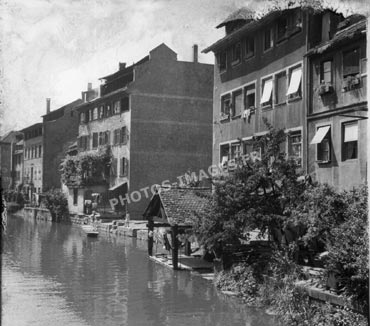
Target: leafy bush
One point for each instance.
(240, 279)
(348, 251)
(56, 202)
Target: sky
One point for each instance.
(53, 48)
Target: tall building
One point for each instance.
(260, 74)
(60, 131)
(337, 105)
(33, 153)
(11, 160)
(155, 119)
(267, 68)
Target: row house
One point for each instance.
(259, 75)
(155, 119)
(337, 106)
(60, 128)
(11, 160)
(32, 159)
(264, 71)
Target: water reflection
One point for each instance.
(55, 270)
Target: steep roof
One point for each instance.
(178, 205)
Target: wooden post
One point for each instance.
(175, 247)
(187, 247)
(150, 237)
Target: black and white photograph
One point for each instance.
(184, 163)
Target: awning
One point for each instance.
(295, 81)
(122, 184)
(350, 132)
(267, 91)
(320, 135)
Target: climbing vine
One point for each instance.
(87, 168)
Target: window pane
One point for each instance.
(295, 81)
(325, 73)
(237, 103)
(249, 47)
(267, 91)
(281, 88)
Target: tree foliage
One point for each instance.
(255, 196)
(56, 202)
(86, 167)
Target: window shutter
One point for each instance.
(113, 167)
(125, 172)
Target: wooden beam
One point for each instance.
(150, 237)
(175, 247)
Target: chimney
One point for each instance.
(47, 105)
(89, 86)
(122, 65)
(195, 53)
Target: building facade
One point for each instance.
(273, 69)
(337, 125)
(32, 164)
(155, 119)
(60, 131)
(11, 160)
(260, 75)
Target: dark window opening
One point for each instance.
(351, 63)
(249, 47)
(236, 53)
(222, 57)
(280, 88)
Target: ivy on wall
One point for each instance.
(87, 168)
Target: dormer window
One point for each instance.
(236, 53)
(268, 40)
(282, 29)
(249, 47)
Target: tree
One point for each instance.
(255, 196)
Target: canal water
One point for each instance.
(52, 274)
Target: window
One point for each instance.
(295, 147)
(326, 76)
(295, 77)
(95, 140)
(75, 196)
(40, 148)
(249, 47)
(322, 140)
(125, 104)
(280, 88)
(295, 22)
(82, 117)
(116, 138)
(222, 58)
(107, 137)
(109, 110)
(250, 97)
(266, 92)
(235, 151)
(237, 105)
(117, 107)
(236, 53)
(268, 41)
(114, 167)
(90, 115)
(350, 141)
(95, 114)
(225, 106)
(124, 167)
(101, 112)
(282, 29)
(101, 138)
(124, 136)
(224, 154)
(351, 63)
